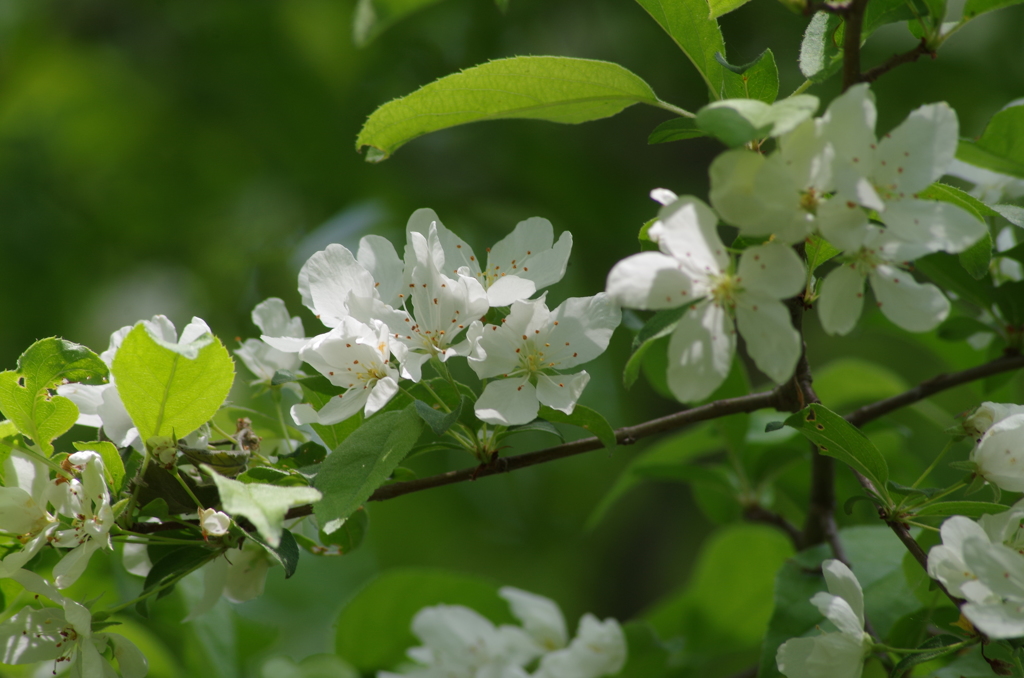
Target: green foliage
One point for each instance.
(820, 57)
(1000, 147)
(971, 509)
(285, 551)
(113, 467)
(973, 8)
(557, 89)
(659, 325)
(373, 629)
(263, 505)
(739, 121)
(317, 391)
(585, 418)
(676, 129)
(363, 462)
(760, 77)
(373, 17)
(818, 251)
(836, 437)
(438, 421)
(647, 656)
(25, 392)
(171, 391)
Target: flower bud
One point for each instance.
(163, 448)
(214, 523)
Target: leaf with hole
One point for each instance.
(835, 437)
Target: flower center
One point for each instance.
(724, 288)
(809, 200)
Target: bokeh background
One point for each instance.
(185, 157)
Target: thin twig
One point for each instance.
(759, 514)
(898, 60)
(854, 23)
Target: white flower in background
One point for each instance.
(332, 279)
(914, 306)
(526, 260)
(355, 357)
(886, 175)
(530, 348)
(541, 617)
(238, 575)
(599, 649)
(989, 187)
(214, 523)
(23, 508)
(999, 454)
(778, 194)
(64, 634)
(262, 359)
(693, 268)
(101, 406)
(442, 307)
(88, 505)
(838, 654)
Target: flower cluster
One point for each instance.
(461, 643)
(388, 316)
(998, 454)
(983, 563)
(831, 178)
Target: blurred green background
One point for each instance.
(185, 157)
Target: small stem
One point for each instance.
(681, 112)
(945, 493)
(423, 382)
(922, 525)
(921, 650)
(275, 393)
(181, 481)
(931, 467)
(804, 86)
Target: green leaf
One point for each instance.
(973, 8)
(174, 563)
(373, 17)
(1009, 297)
(585, 418)
(1012, 213)
(960, 327)
(363, 462)
(557, 89)
(726, 605)
(676, 129)
(264, 505)
(8, 429)
(881, 12)
(646, 656)
(113, 466)
(1001, 146)
(659, 325)
(945, 271)
(374, 627)
(305, 455)
(836, 437)
(938, 646)
(347, 536)
(958, 197)
(438, 421)
(317, 391)
(539, 425)
(738, 121)
(25, 392)
(760, 77)
(976, 258)
(820, 54)
(271, 476)
(818, 251)
(169, 391)
(971, 509)
(286, 553)
(722, 7)
(225, 462)
(696, 32)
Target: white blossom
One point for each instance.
(24, 507)
(88, 505)
(237, 575)
(694, 269)
(838, 654)
(214, 523)
(357, 358)
(985, 415)
(599, 649)
(262, 359)
(541, 617)
(529, 351)
(999, 454)
(64, 634)
(989, 187)
(880, 258)
(525, 261)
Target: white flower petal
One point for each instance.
(771, 339)
(561, 391)
(907, 303)
(271, 316)
(246, 573)
(700, 352)
(338, 409)
(842, 582)
(934, 224)
(326, 281)
(843, 223)
(74, 562)
(841, 300)
(919, 150)
(997, 620)
(649, 281)
(378, 256)
(530, 252)
(381, 393)
(540, 616)
(831, 655)
(509, 289)
(508, 402)
(1000, 454)
(686, 230)
(456, 253)
(87, 398)
(772, 270)
(663, 196)
(581, 329)
(599, 649)
(129, 658)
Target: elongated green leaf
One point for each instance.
(676, 129)
(264, 505)
(971, 509)
(1001, 146)
(587, 419)
(166, 392)
(722, 7)
(659, 325)
(170, 566)
(25, 393)
(818, 251)
(882, 12)
(696, 32)
(374, 628)
(738, 121)
(973, 8)
(113, 467)
(363, 462)
(286, 553)
(976, 258)
(373, 17)
(836, 437)
(937, 646)
(557, 89)
(438, 421)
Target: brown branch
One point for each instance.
(854, 24)
(759, 514)
(898, 60)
